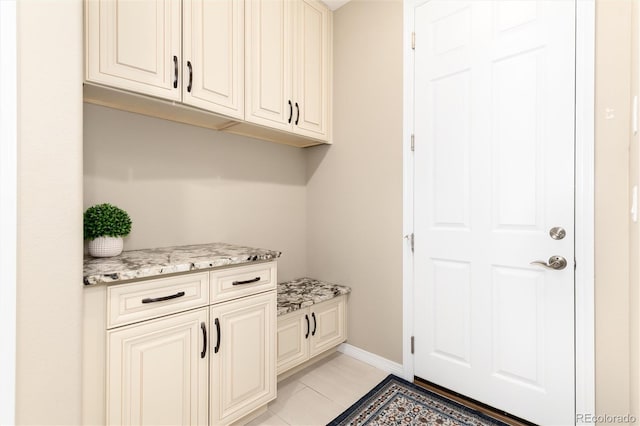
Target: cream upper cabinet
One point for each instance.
(260, 68)
(268, 74)
(213, 56)
(157, 372)
(288, 66)
(135, 45)
(190, 51)
(312, 69)
(243, 356)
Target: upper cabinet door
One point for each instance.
(135, 45)
(213, 65)
(288, 66)
(269, 63)
(312, 69)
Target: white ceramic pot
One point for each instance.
(105, 246)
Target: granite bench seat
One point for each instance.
(302, 292)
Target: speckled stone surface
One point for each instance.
(302, 292)
(168, 260)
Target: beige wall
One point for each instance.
(634, 234)
(613, 38)
(183, 184)
(354, 191)
(49, 290)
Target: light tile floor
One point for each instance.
(319, 393)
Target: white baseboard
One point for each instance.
(372, 359)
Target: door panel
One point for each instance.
(451, 144)
(452, 315)
(293, 339)
(269, 63)
(517, 178)
(494, 130)
(311, 68)
(214, 47)
(328, 326)
(243, 369)
(155, 373)
(517, 350)
(132, 44)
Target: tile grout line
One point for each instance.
(298, 384)
(327, 397)
(280, 418)
(366, 388)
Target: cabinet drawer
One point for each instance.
(129, 303)
(242, 281)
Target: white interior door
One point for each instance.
(494, 172)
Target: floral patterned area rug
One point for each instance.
(395, 401)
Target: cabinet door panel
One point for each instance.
(155, 373)
(243, 370)
(292, 339)
(214, 47)
(268, 63)
(329, 326)
(131, 45)
(312, 68)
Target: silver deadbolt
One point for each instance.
(555, 262)
(557, 232)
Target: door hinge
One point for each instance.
(413, 40)
(413, 142)
(411, 239)
(412, 344)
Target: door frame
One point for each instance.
(8, 208)
(584, 202)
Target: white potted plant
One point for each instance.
(104, 227)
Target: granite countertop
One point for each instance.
(168, 260)
(302, 292)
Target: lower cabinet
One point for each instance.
(175, 355)
(293, 344)
(157, 372)
(308, 332)
(242, 356)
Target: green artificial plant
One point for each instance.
(106, 220)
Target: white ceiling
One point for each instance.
(335, 4)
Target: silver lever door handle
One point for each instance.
(555, 262)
